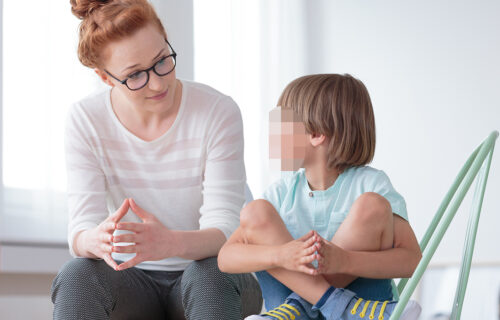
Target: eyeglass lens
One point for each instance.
(161, 68)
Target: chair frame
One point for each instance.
(478, 165)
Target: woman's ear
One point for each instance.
(104, 77)
(316, 139)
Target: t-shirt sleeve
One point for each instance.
(224, 173)
(275, 194)
(86, 190)
(383, 186)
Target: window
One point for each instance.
(42, 77)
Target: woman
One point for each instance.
(155, 181)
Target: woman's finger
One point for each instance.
(106, 237)
(108, 226)
(106, 248)
(130, 226)
(130, 263)
(121, 212)
(126, 237)
(109, 261)
(140, 212)
(125, 249)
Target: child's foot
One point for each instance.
(294, 308)
(343, 304)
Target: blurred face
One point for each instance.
(126, 58)
(287, 140)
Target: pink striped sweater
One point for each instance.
(192, 177)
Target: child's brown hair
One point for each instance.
(339, 107)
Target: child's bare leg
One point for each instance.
(262, 225)
(367, 227)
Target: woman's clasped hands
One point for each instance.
(150, 240)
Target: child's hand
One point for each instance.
(297, 255)
(329, 256)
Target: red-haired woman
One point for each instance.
(155, 181)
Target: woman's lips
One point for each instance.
(160, 96)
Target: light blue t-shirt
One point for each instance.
(303, 210)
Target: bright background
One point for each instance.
(432, 69)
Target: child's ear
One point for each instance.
(104, 77)
(316, 139)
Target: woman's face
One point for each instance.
(138, 52)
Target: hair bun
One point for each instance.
(83, 8)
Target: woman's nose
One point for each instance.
(155, 81)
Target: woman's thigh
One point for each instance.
(88, 288)
(207, 293)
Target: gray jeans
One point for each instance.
(90, 289)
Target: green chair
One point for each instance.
(478, 164)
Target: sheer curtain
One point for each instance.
(42, 77)
(250, 50)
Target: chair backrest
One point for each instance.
(479, 160)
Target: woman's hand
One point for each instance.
(298, 254)
(152, 240)
(97, 241)
(329, 256)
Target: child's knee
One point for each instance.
(371, 207)
(257, 214)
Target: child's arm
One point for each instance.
(238, 256)
(398, 262)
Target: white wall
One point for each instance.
(432, 69)
(177, 18)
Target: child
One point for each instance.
(344, 216)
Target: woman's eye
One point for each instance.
(162, 61)
(135, 75)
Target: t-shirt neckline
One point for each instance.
(324, 193)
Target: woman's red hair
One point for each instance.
(109, 20)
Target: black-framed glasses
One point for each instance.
(140, 79)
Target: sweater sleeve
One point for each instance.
(224, 173)
(86, 188)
